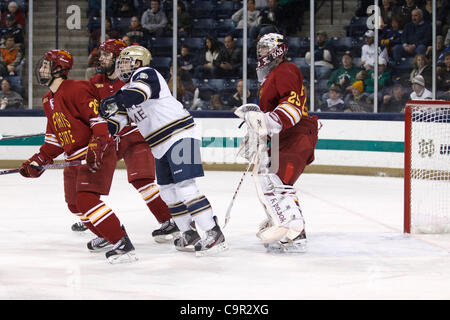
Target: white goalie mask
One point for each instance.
(271, 48)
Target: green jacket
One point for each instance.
(383, 80)
(338, 74)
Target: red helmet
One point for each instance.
(60, 58)
(113, 45)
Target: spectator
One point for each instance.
(395, 99)
(421, 67)
(11, 27)
(427, 10)
(184, 21)
(334, 102)
(441, 49)
(19, 16)
(345, 75)
(136, 33)
(271, 16)
(368, 51)
(216, 102)
(185, 86)
(123, 8)
(358, 101)
(154, 20)
(253, 19)
(419, 90)
(384, 78)
(186, 59)
(392, 35)
(10, 57)
(207, 60)
(443, 18)
(324, 56)
(416, 37)
(292, 12)
(9, 99)
(443, 79)
(387, 12)
(237, 99)
(229, 61)
(127, 40)
(96, 34)
(405, 11)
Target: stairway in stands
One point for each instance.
(75, 41)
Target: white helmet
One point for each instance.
(126, 62)
(270, 49)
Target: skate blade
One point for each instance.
(167, 238)
(186, 249)
(123, 258)
(213, 251)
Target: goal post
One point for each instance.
(427, 167)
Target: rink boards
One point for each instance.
(348, 143)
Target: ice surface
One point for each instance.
(356, 248)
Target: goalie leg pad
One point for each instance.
(285, 220)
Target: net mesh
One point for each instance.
(430, 168)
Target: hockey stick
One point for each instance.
(22, 136)
(49, 166)
(227, 214)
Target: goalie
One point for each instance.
(281, 113)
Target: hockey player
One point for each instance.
(75, 129)
(170, 131)
(281, 112)
(131, 147)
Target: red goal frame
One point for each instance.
(407, 156)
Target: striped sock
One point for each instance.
(201, 212)
(150, 194)
(181, 216)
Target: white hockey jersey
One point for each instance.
(162, 120)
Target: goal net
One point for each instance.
(427, 167)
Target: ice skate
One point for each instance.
(98, 244)
(79, 227)
(298, 245)
(123, 251)
(167, 232)
(187, 241)
(214, 242)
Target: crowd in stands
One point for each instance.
(210, 50)
(12, 50)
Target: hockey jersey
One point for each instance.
(105, 87)
(72, 117)
(162, 120)
(283, 94)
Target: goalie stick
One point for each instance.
(49, 166)
(21, 136)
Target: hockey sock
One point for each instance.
(181, 216)
(201, 212)
(150, 193)
(100, 215)
(74, 209)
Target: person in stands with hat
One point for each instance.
(384, 79)
(16, 12)
(368, 52)
(11, 27)
(334, 102)
(419, 90)
(358, 101)
(324, 56)
(345, 75)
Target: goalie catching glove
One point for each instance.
(30, 168)
(96, 149)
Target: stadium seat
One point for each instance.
(162, 65)
(357, 27)
(203, 27)
(206, 88)
(225, 9)
(16, 84)
(224, 27)
(202, 9)
(294, 44)
(120, 24)
(195, 44)
(161, 46)
(342, 44)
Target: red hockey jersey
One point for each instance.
(283, 94)
(72, 117)
(105, 87)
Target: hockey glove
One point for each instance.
(111, 105)
(96, 149)
(30, 168)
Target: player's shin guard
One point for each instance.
(150, 194)
(101, 216)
